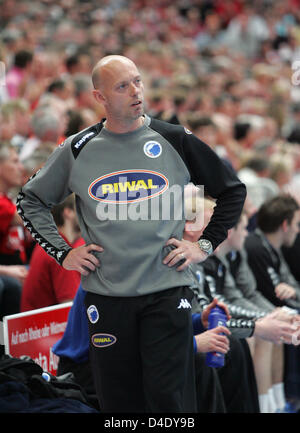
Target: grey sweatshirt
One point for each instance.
(134, 174)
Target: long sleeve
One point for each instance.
(47, 188)
(246, 283)
(220, 182)
(240, 326)
(223, 288)
(207, 169)
(265, 264)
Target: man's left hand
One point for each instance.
(207, 310)
(185, 250)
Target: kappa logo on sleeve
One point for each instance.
(128, 186)
(103, 340)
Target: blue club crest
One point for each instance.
(152, 149)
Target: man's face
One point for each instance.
(122, 91)
(11, 170)
(239, 234)
(292, 230)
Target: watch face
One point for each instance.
(205, 245)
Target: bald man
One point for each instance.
(128, 173)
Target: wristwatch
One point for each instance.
(206, 246)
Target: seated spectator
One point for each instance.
(79, 120)
(15, 76)
(21, 114)
(62, 88)
(78, 63)
(7, 123)
(11, 281)
(291, 255)
(222, 285)
(12, 244)
(48, 126)
(48, 283)
(36, 160)
(255, 173)
(267, 357)
(278, 225)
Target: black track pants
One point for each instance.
(142, 352)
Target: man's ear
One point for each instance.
(98, 96)
(229, 233)
(285, 225)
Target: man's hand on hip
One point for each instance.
(185, 250)
(81, 259)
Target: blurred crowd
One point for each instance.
(226, 70)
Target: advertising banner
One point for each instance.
(33, 333)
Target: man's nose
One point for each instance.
(133, 89)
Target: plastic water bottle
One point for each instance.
(217, 317)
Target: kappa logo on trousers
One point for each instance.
(184, 303)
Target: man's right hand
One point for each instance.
(275, 330)
(213, 340)
(284, 291)
(82, 260)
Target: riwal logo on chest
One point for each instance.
(103, 340)
(128, 186)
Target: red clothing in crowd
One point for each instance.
(48, 283)
(12, 242)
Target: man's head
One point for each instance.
(118, 86)
(11, 169)
(64, 215)
(237, 235)
(197, 210)
(280, 215)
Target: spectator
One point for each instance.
(12, 243)
(47, 283)
(21, 115)
(36, 160)
(12, 246)
(48, 126)
(255, 173)
(11, 282)
(242, 301)
(63, 88)
(267, 357)
(278, 226)
(18, 73)
(291, 255)
(277, 222)
(78, 63)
